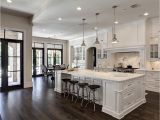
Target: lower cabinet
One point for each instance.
(152, 82)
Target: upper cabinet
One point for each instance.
(128, 35)
(154, 51)
(153, 38)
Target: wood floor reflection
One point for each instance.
(42, 103)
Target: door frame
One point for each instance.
(34, 48)
(55, 49)
(4, 61)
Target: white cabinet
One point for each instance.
(154, 51)
(120, 98)
(153, 81)
(154, 39)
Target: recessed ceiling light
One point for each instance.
(116, 22)
(9, 1)
(79, 8)
(146, 14)
(95, 28)
(59, 19)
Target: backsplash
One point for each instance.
(102, 63)
(155, 65)
(127, 59)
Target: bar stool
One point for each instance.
(83, 86)
(93, 88)
(72, 84)
(65, 89)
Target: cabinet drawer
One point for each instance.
(128, 101)
(128, 84)
(153, 75)
(128, 92)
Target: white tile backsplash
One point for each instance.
(154, 65)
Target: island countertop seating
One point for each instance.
(120, 93)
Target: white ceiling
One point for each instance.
(47, 12)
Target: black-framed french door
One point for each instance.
(37, 61)
(11, 68)
(54, 56)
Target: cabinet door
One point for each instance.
(154, 51)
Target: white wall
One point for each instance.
(22, 24)
(53, 41)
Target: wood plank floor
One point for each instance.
(42, 103)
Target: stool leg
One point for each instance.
(64, 90)
(77, 94)
(82, 96)
(94, 100)
(73, 91)
(68, 90)
(88, 99)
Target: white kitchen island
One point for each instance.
(120, 93)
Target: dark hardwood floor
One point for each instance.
(42, 103)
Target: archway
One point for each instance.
(91, 58)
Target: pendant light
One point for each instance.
(96, 28)
(114, 39)
(83, 22)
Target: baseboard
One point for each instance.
(124, 112)
(28, 84)
(58, 90)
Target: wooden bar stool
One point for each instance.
(65, 88)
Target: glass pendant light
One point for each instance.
(83, 22)
(114, 39)
(96, 28)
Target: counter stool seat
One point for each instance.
(82, 85)
(94, 87)
(73, 82)
(66, 79)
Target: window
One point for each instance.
(79, 53)
(55, 46)
(1, 33)
(37, 45)
(54, 54)
(11, 34)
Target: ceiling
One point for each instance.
(46, 14)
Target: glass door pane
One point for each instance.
(14, 62)
(54, 57)
(37, 61)
(0, 67)
(58, 57)
(51, 54)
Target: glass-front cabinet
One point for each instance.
(154, 51)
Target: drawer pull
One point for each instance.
(129, 84)
(129, 94)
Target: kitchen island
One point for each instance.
(120, 93)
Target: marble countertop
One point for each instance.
(155, 70)
(113, 76)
